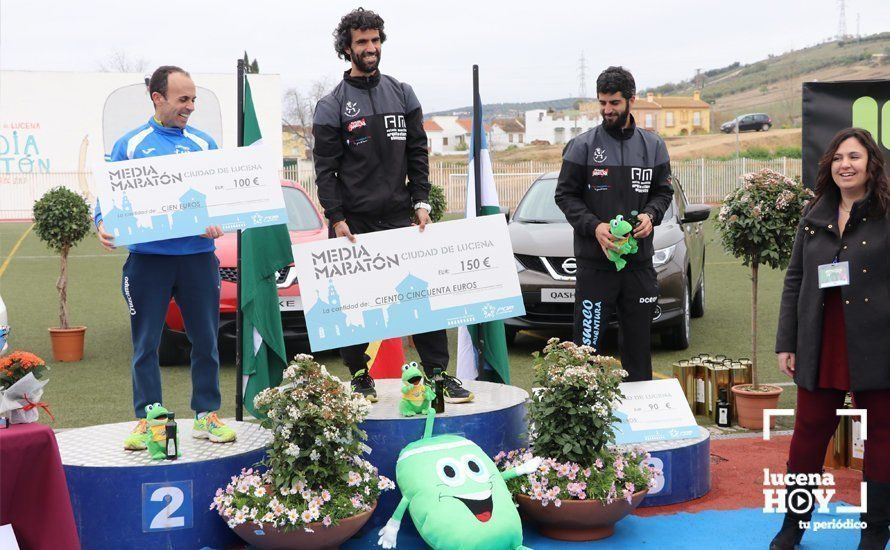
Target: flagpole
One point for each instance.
(477, 191)
(239, 320)
(477, 141)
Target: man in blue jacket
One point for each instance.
(185, 268)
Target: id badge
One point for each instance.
(834, 274)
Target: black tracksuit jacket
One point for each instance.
(369, 138)
(609, 172)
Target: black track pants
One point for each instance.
(634, 293)
(431, 346)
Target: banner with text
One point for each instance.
(156, 198)
(401, 282)
(654, 410)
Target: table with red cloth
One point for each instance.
(33, 493)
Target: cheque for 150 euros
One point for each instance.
(402, 281)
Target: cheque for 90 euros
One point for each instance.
(404, 281)
(156, 198)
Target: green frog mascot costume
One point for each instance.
(626, 243)
(455, 494)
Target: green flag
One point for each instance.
(482, 348)
(264, 250)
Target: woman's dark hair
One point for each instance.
(877, 185)
(356, 20)
(616, 79)
(158, 81)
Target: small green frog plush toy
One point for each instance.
(626, 243)
(416, 396)
(156, 436)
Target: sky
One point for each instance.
(526, 51)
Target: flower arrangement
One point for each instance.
(313, 471)
(17, 365)
(571, 425)
(21, 387)
(757, 224)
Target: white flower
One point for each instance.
(314, 455)
(293, 450)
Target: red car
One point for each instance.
(305, 224)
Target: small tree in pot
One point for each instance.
(757, 224)
(61, 221)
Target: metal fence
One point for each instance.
(703, 180)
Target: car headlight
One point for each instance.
(519, 267)
(663, 255)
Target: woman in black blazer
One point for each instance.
(832, 338)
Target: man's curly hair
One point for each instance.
(358, 19)
(616, 79)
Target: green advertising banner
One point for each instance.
(829, 107)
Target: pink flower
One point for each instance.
(598, 464)
(326, 521)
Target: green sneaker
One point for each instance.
(212, 428)
(136, 440)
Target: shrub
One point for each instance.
(571, 418)
(313, 468)
(438, 202)
(790, 152)
(61, 220)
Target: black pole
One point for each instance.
(477, 140)
(483, 373)
(239, 321)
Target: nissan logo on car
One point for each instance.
(569, 266)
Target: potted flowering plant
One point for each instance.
(21, 387)
(757, 224)
(313, 489)
(590, 483)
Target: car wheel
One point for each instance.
(171, 352)
(698, 302)
(677, 337)
(765, 127)
(510, 334)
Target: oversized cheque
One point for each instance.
(156, 198)
(399, 282)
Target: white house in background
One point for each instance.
(506, 132)
(557, 127)
(444, 135)
(448, 135)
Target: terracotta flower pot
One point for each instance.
(750, 404)
(322, 538)
(67, 343)
(578, 520)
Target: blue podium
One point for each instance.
(123, 499)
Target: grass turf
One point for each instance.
(98, 389)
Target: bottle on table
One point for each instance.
(723, 410)
(171, 440)
(439, 386)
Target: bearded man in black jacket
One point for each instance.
(615, 168)
(369, 139)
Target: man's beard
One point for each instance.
(365, 66)
(619, 122)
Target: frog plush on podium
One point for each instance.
(416, 396)
(156, 436)
(626, 243)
